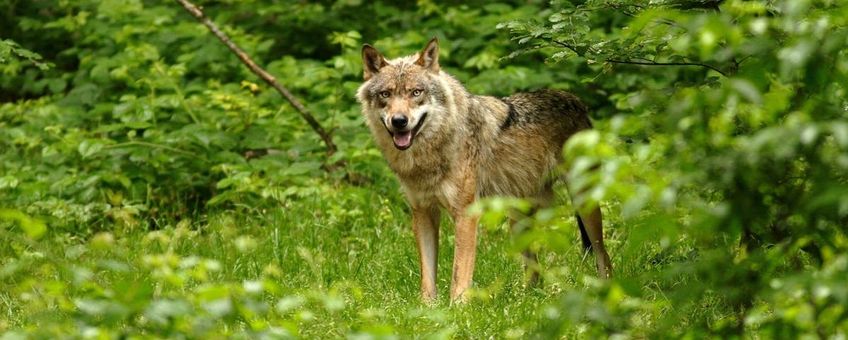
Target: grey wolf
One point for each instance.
(449, 147)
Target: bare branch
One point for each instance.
(267, 77)
(654, 63)
(568, 46)
(638, 62)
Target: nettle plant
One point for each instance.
(726, 149)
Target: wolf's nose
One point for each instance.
(399, 121)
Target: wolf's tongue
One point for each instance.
(402, 139)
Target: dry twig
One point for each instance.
(267, 77)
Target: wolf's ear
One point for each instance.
(429, 57)
(372, 60)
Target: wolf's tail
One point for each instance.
(587, 244)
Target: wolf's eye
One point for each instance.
(416, 92)
(385, 94)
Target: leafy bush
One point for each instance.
(728, 141)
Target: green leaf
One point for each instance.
(89, 147)
(34, 228)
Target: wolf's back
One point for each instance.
(547, 108)
(528, 147)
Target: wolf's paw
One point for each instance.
(460, 300)
(429, 300)
(460, 297)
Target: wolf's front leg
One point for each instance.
(465, 249)
(425, 224)
(465, 252)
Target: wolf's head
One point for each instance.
(399, 94)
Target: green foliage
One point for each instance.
(151, 185)
(727, 135)
(147, 116)
(11, 54)
(271, 273)
(32, 227)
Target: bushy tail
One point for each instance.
(587, 244)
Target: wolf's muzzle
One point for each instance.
(403, 139)
(399, 121)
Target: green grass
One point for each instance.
(343, 263)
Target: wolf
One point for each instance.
(449, 147)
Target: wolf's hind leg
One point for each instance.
(590, 223)
(425, 224)
(532, 271)
(521, 223)
(591, 230)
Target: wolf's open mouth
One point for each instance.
(403, 139)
